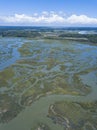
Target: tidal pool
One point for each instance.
(36, 74)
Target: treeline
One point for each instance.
(43, 33)
(91, 37)
(20, 33)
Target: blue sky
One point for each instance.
(48, 12)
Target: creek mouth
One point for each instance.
(45, 73)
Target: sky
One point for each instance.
(48, 12)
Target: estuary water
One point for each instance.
(79, 58)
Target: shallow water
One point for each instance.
(8, 51)
(78, 58)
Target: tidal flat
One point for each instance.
(47, 84)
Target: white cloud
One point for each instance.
(49, 18)
(81, 19)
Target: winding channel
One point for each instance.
(37, 112)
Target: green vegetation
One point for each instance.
(25, 50)
(20, 33)
(54, 69)
(92, 38)
(74, 115)
(5, 76)
(9, 108)
(51, 33)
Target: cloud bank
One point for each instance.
(48, 18)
